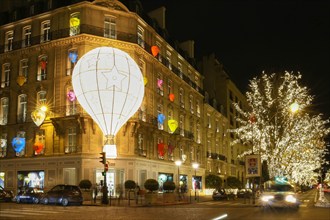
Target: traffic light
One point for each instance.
(106, 167)
(103, 159)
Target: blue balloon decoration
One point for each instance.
(161, 118)
(73, 57)
(18, 144)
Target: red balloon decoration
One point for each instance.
(171, 96)
(43, 64)
(38, 147)
(161, 151)
(155, 50)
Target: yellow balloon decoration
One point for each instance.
(74, 22)
(172, 124)
(145, 80)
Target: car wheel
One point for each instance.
(65, 202)
(35, 200)
(18, 200)
(45, 201)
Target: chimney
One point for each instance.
(159, 15)
(189, 47)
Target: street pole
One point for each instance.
(105, 199)
(195, 166)
(178, 163)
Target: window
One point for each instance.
(71, 146)
(21, 134)
(71, 102)
(168, 60)
(180, 70)
(71, 61)
(42, 68)
(198, 133)
(110, 27)
(75, 24)
(198, 109)
(160, 89)
(196, 83)
(181, 97)
(26, 36)
(140, 34)
(159, 55)
(191, 104)
(45, 31)
(4, 111)
(23, 69)
(3, 145)
(9, 41)
(160, 120)
(209, 121)
(5, 75)
(169, 86)
(181, 125)
(21, 108)
(41, 99)
(40, 138)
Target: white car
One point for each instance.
(279, 195)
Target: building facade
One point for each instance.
(40, 43)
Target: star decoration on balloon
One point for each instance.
(113, 78)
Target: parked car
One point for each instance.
(244, 193)
(279, 195)
(219, 194)
(6, 195)
(64, 195)
(29, 195)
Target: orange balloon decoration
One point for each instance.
(155, 50)
(37, 147)
(171, 96)
(20, 80)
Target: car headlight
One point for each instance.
(266, 198)
(291, 198)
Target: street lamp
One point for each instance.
(178, 164)
(195, 166)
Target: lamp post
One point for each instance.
(195, 166)
(178, 164)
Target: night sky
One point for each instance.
(249, 37)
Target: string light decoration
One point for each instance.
(291, 142)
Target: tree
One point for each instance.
(151, 185)
(233, 182)
(213, 181)
(292, 143)
(85, 184)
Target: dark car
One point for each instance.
(64, 195)
(29, 195)
(6, 195)
(244, 193)
(219, 194)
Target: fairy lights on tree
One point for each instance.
(292, 143)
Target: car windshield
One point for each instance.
(280, 188)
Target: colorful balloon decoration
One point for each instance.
(73, 56)
(173, 125)
(38, 147)
(145, 80)
(74, 22)
(160, 83)
(161, 149)
(71, 96)
(109, 85)
(18, 144)
(170, 149)
(155, 50)
(171, 96)
(38, 116)
(20, 80)
(43, 64)
(161, 118)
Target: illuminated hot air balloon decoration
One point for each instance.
(38, 147)
(73, 56)
(173, 125)
(71, 96)
(171, 97)
(109, 86)
(18, 144)
(155, 50)
(38, 116)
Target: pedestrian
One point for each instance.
(137, 193)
